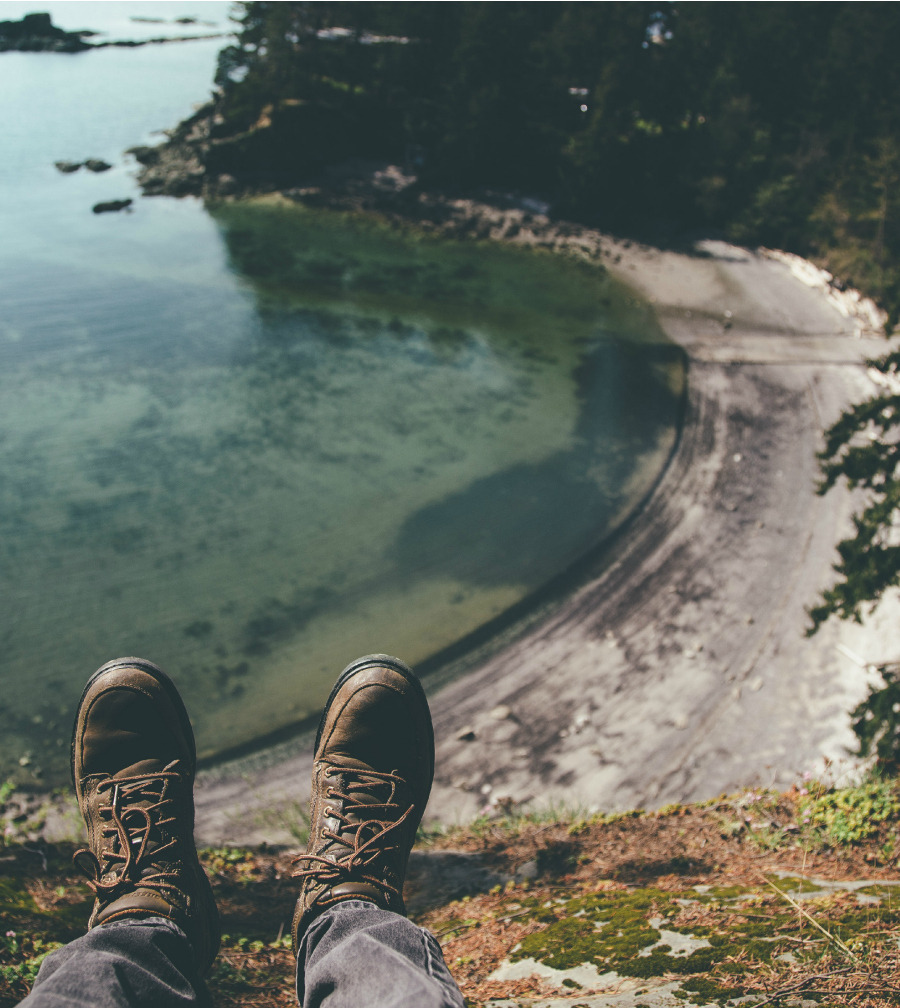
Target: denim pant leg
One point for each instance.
(135, 961)
(357, 954)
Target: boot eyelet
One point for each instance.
(329, 792)
(329, 812)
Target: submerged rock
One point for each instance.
(67, 167)
(97, 165)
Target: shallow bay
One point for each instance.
(252, 442)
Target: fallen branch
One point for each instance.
(832, 938)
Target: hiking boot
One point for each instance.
(374, 761)
(133, 765)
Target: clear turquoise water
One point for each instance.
(254, 443)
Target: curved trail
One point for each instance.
(680, 670)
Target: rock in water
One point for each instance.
(110, 206)
(37, 33)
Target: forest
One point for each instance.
(771, 123)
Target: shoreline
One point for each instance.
(670, 665)
(677, 668)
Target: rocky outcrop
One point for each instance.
(208, 156)
(176, 168)
(37, 33)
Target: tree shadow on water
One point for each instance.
(526, 523)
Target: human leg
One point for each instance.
(356, 953)
(372, 773)
(133, 961)
(154, 927)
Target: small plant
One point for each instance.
(507, 819)
(292, 817)
(427, 835)
(228, 860)
(765, 837)
(27, 954)
(849, 815)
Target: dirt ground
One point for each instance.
(744, 897)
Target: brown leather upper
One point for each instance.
(372, 775)
(133, 766)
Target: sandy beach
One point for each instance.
(676, 667)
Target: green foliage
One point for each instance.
(238, 861)
(775, 122)
(849, 815)
(862, 448)
(876, 722)
(21, 956)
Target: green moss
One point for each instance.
(720, 893)
(709, 990)
(668, 810)
(886, 892)
(795, 885)
(612, 931)
(604, 929)
(14, 898)
(563, 944)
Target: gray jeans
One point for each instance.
(353, 954)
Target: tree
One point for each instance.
(863, 449)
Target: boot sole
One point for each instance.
(375, 661)
(168, 688)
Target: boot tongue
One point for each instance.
(136, 825)
(143, 768)
(370, 790)
(341, 762)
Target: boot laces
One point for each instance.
(135, 833)
(367, 831)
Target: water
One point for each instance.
(255, 443)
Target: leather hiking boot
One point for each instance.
(374, 762)
(133, 765)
